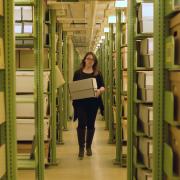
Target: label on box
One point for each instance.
(149, 80)
(1, 54)
(150, 148)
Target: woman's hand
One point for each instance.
(98, 92)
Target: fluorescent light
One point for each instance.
(112, 19)
(106, 29)
(121, 3)
(102, 37)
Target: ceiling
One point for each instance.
(83, 20)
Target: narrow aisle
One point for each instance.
(98, 167)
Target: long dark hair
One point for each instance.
(95, 65)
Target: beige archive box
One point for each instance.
(124, 129)
(1, 54)
(82, 89)
(144, 174)
(145, 79)
(146, 26)
(146, 46)
(1, 8)
(2, 108)
(26, 129)
(2, 160)
(124, 53)
(146, 149)
(22, 77)
(125, 81)
(25, 106)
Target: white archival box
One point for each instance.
(26, 129)
(28, 27)
(27, 13)
(18, 28)
(82, 89)
(25, 106)
(17, 13)
(146, 11)
(25, 81)
(2, 160)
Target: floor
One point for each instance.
(98, 167)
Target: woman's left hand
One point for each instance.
(98, 92)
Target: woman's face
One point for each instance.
(89, 61)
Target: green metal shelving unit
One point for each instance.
(53, 87)
(60, 95)
(135, 161)
(106, 83)
(110, 82)
(118, 159)
(65, 87)
(7, 87)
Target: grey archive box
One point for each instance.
(83, 89)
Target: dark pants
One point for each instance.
(86, 114)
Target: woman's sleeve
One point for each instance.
(75, 77)
(100, 81)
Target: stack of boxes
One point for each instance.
(2, 102)
(172, 59)
(144, 96)
(25, 109)
(145, 18)
(24, 23)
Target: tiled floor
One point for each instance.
(98, 167)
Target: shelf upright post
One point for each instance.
(131, 48)
(53, 86)
(111, 133)
(106, 83)
(39, 96)
(65, 73)
(10, 92)
(158, 114)
(118, 89)
(60, 97)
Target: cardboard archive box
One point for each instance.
(17, 13)
(174, 78)
(147, 60)
(175, 144)
(146, 118)
(146, 46)
(27, 59)
(124, 53)
(2, 65)
(27, 13)
(175, 31)
(124, 34)
(124, 129)
(145, 79)
(2, 108)
(83, 89)
(146, 150)
(25, 81)
(25, 106)
(26, 129)
(26, 148)
(145, 94)
(125, 81)
(1, 8)
(144, 174)
(2, 160)
(145, 17)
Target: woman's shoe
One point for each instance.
(88, 151)
(81, 153)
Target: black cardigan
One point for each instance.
(79, 75)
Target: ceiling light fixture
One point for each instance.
(121, 3)
(112, 19)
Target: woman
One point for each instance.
(86, 109)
